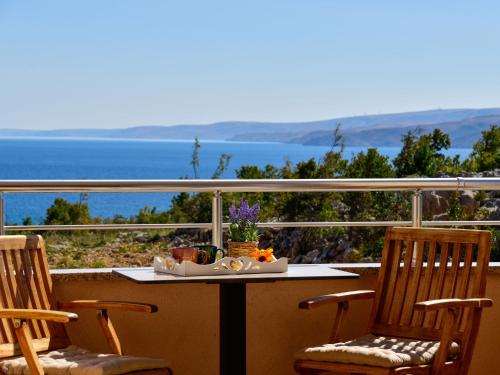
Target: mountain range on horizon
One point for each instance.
(463, 125)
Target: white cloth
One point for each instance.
(76, 361)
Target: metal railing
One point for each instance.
(217, 187)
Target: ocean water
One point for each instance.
(133, 159)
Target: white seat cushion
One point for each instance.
(376, 351)
(76, 361)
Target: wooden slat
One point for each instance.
(443, 235)
(15, 297)
(466, 272)
(455, 268)
(6, 326)
(24, 290)
(56, 330)
(402, 285)
(33, 293)
(44, 272)
(40, 290)
(387, 295)
(450, 281)
(414, 283)
(437, 287)
(464, 289)
(425, 288)
(482, 261)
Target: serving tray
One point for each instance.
(225, 266)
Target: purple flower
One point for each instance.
(244, 221)
(253, 213)
(244, 213)
(233, 216)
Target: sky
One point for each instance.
(122, 63)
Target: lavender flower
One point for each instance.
(243, 210)
(233, 216)
(243, 221)
(253, 213)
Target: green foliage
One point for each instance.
(369, 165)
(485, 152)
(63, 212)
(28, 220)
(243, 232)
(149, 215)
(420, 154)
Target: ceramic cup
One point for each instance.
(189, 253)
(211, 250)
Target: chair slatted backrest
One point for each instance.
(25, 282)
(420, 264)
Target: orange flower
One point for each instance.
(263, 255)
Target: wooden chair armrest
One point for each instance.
(452, 307)
(103, 318)
(336, 298)
(108, 305)
(453, 303)
(27, 314)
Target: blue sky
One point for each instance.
(108, 64)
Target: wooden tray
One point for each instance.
(225, 266)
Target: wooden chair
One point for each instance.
(31, 322)
(427, 302)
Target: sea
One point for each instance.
(47, 159)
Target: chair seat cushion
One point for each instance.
(376, 351)
(76, 361)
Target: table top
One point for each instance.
(295, 272)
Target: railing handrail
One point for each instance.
(249, 186)
(216, 187)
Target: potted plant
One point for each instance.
(243, 234)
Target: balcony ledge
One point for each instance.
(98, 274)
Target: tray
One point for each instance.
(225, 266)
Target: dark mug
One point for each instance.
(212, 252)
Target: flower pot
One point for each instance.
(240, 249)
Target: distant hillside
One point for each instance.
(464, 126)
(463, 133)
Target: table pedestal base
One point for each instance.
(232, 320)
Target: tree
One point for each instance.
(367, 206)
(420, 154)
(28, 220)
(195, 158)
(369, 165)
(485, 155)
(223, 165)
(63, 212)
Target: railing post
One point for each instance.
(416, 209)
(2, 215)
(217, 219)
